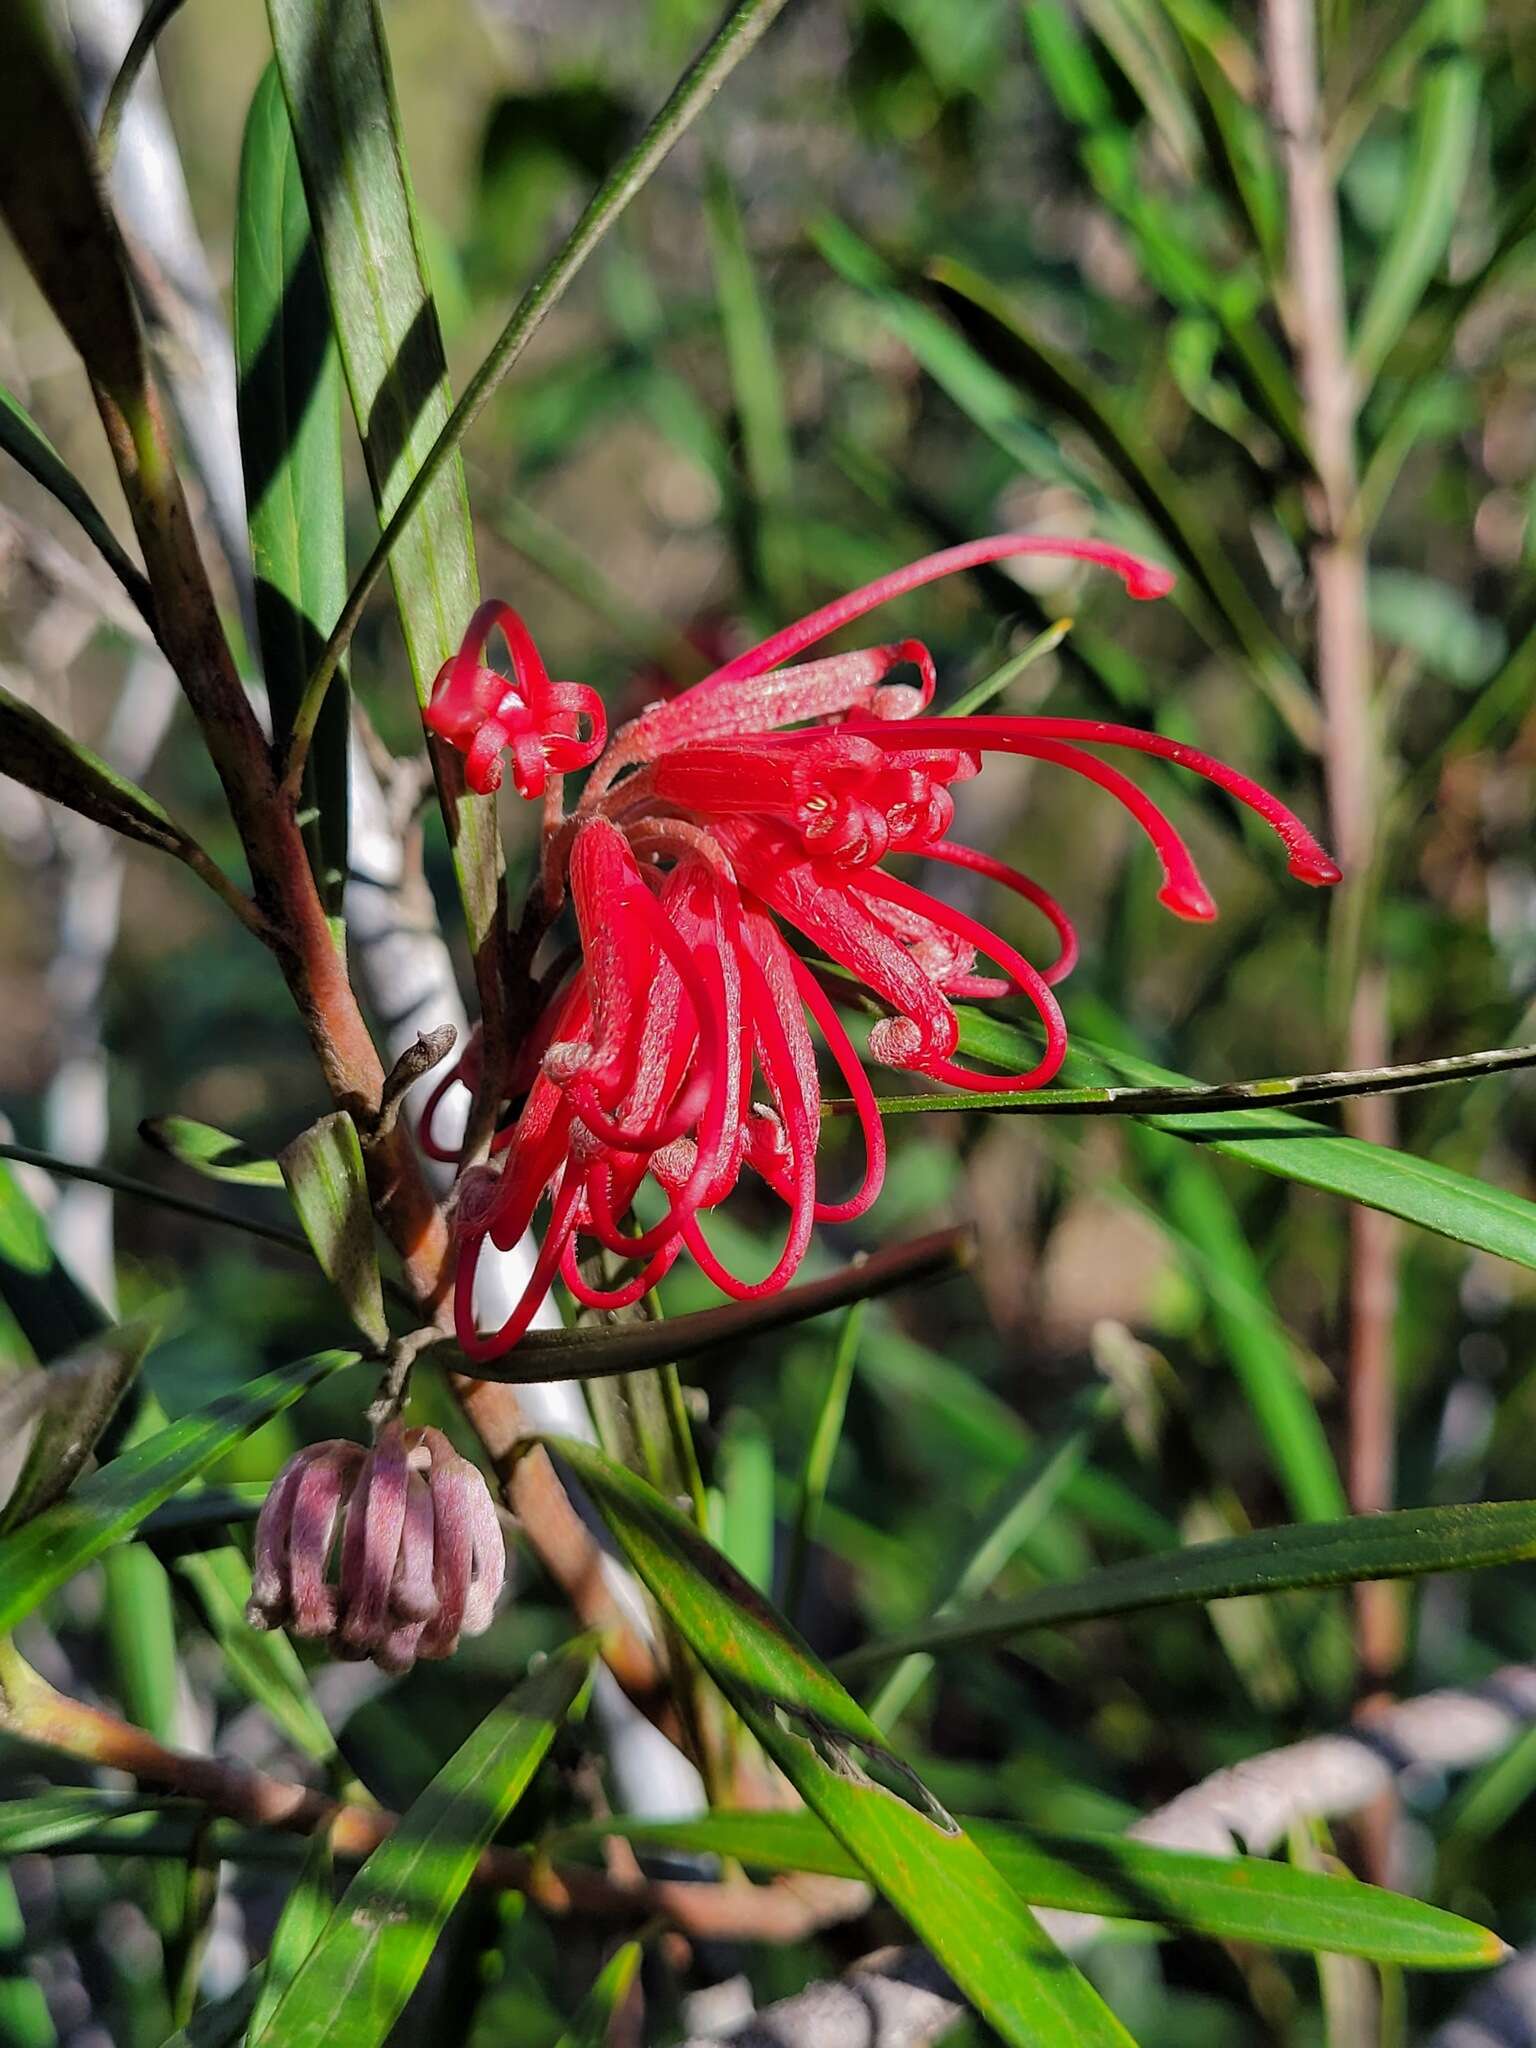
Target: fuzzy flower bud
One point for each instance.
(392, 1553)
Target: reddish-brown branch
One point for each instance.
(1317, 322)
(59, 214)
(785, 1911)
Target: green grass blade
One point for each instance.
(103, 1509)
(355, 1982)
(1024, 1503)
(290, 447)
(1197, 1216)
(262, 1662)
(1440, 156)
(746, 1488)
(1237, 1898)
(832, 1753)
(816, 1472)
(590, 2027)
(1409, 1543)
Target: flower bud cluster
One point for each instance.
(392, 1553)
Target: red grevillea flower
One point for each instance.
(764, 801)
(539, 723)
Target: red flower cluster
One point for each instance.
(765, 799)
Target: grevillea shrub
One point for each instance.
(694, 1350)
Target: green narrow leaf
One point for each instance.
(63, 1815)
(112, 1502)
(590, 2027)
(356, 1980)
(826, 1434)
(903, 1840)
(746, 1488)
(1196, 1214)
(299, 1928)
(324, 1174)
(1230, 1898)
(591, 1354)
(33, 750)
(1409, 1543)
(1024, 1503)
(1417, 1190)
(209, 1151)
(334, 64)
(73, 1399)
(1440, 155)
(23, 439)
(290, 448)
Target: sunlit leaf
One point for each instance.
(356, 1980)
(106, 1507)
(837, 1760)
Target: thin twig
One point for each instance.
(31, 1710)
(592, 1354)
(1286, 1091)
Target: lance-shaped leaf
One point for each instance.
(22, 438)
(832, 1753)
(209, 1151)
(590, 2027)
(1445, 131)
(290, 446)
(1418, 1190)
(299, 1927)
(581, 1354)
(356, 1980)
(334, 64)
(1230, 1898)
(324, 1174)
(70, 1403)
(112, 1502)
(1411, 1543)
(34, 751)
